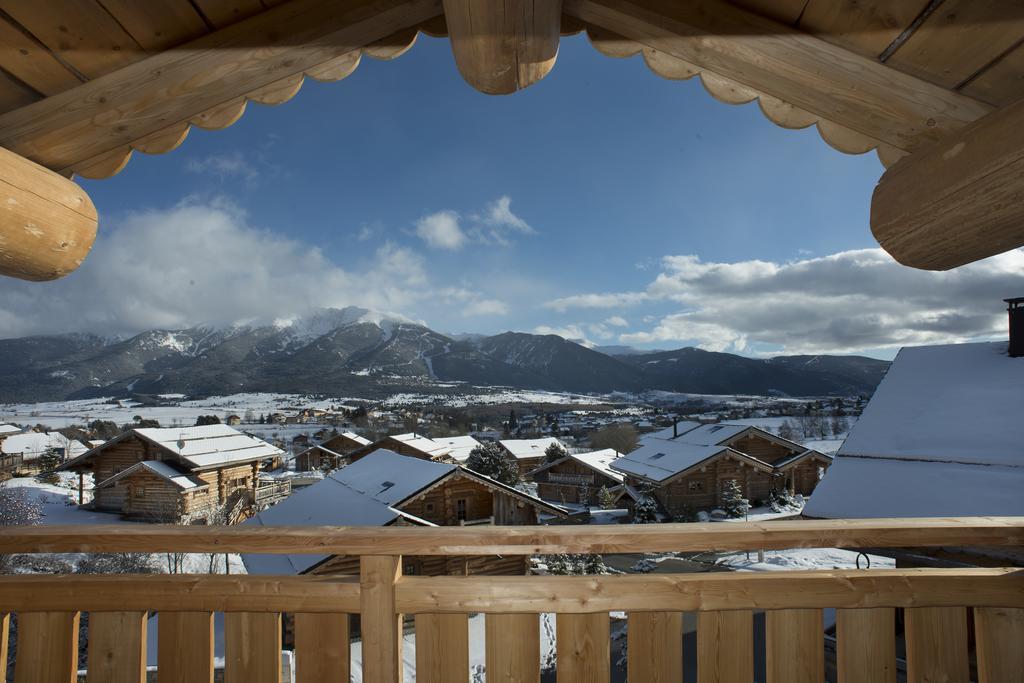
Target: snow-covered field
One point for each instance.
(57, 504)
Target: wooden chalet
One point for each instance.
(933, 87)
(319, 458)
(529, 453)
(579, 477)
(21, 452)
(411, 444)
(345, 443)
(385, 488)
(801, 468)
(188, 474)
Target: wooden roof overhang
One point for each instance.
(933, 86)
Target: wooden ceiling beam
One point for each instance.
(830, 81)
(47, 223)
(168, 88)
(958, 201)
(502, 46)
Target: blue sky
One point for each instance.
(603, 203)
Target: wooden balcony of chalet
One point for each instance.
(958, 623)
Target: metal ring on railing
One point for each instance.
(866, 557)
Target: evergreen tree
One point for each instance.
(49, 461)
(733, 502)
(513, 423)
(605, 498)
(490, 460)
(207, 420)
(646, 509)
(554, 452)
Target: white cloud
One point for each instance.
(233, 164)
(496, 225)
(847, 302)
(485, 307)
(616, 321)
(573, 332)
(206, 263)
(441, 230)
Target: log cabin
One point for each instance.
(529, 453)
(21, 452)
(184, 475)
(579, 477)
(385, 488)
(344, 443)
(319, 458)
(411, 444)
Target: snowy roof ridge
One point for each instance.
(182, 480)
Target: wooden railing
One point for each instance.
(936, 604)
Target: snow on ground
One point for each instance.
(803, 558)
(764, 514)
(57, 503)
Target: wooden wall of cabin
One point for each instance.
(527, 465)
(702, 490)
(803, 478)
(147, 496)
(111, 460)
(441, 506)
(568, 481)
(341, 444)
(761, 448)
(226, 481)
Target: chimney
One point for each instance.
(675, 428)
(1015, 308)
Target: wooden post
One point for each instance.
(47, 222)
(81, 488)
(380, 622)
(502, 46)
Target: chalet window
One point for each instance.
(139, 491)
(460, 509)
(696, 486)
(430, 507)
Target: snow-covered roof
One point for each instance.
(361, 440)
(209, 445)
(600, 461)
(529, 448)
(9, 429)
(712, 434)
(459, 446)
(362, 494)
(957, 403)
(797, 457)
(938, 438)
(660, 460)
(421, 443)
(182, 480)
(680, 427)
(884, 487)
(31, 445)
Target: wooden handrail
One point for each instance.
(519, 540)
(852, 588)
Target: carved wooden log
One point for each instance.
(959, 200)
(502, 46)
(47, 222)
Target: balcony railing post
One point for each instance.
(380, 622)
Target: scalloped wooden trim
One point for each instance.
(336, 69)
(667, 66)
(889, 155)
(612, 44)
(395, 45)
(163, 141)
(278, 92)
(221, 116)
(727, 90)
(845, 139)
(784, 114)
(104, 165)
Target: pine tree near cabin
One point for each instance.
(646, 509)
(733, 502)
(490, 460)
(554, 453)
(605, 498)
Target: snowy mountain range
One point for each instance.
(357, 352)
